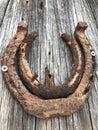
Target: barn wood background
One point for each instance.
(56, 17)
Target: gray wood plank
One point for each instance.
(3, 8)
(55, 18)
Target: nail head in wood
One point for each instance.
(4, 68)
(93, 53)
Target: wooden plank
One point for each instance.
(3, 7)
(57, 16)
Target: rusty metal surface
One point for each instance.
(50, 107)
(48, 89)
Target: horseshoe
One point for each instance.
(51, 107)
(49, 90)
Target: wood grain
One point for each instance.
(56, 17)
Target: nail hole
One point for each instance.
(61, 104)
(49, 75)
(22, 19)
(22, 50)
(49, 53)
(41, 5)
(86, 89)
(27, 1)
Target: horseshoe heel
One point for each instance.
(52, 107)
(28, 77)
(46, 91)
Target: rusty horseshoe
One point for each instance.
(44, 108)
(47, 90)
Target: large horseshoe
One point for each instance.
(45, 91)
(52, 107)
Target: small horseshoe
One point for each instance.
(46, 91)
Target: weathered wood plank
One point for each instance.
(3, 8)
(57, 17)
